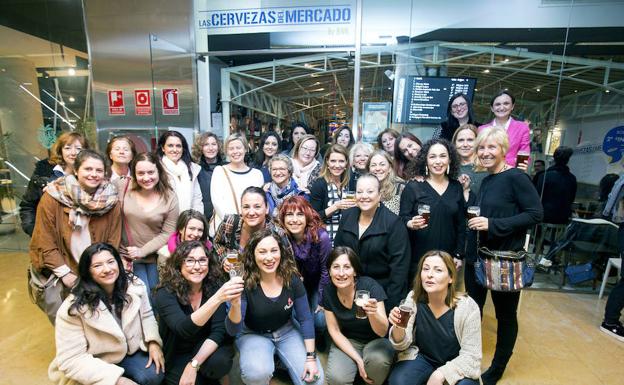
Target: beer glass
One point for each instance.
(361, 298)
(424, 211)
(406, 308)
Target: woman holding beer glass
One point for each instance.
(191, 308)
(509, 205)
(378, 237)
(434, 209)
(436, 330)
(358, 330)
(262, 318)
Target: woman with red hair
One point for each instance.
(311, 245)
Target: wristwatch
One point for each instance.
(195, 364)
(311, 355)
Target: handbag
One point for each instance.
(580, 273)
(45, 292)
(504, 270)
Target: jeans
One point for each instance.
(134, 369)
(320, 325)
(148, 273)
(505, 307)
(257, 351)
(378, 356)
(214, 368)
(417, 372)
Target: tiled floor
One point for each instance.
(559, 340)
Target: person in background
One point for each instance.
(230, 180)
(262, 317)
(378, 237)
(502, 105)
(406, 148)
(442, 341)
(106, 332)
(60, 163)
(445, 229)
(343, 137)
(458, 113)
(191, 226)
(509, 205)
(604, 188)
(328, 192)
(208, 154)
(120, 150)
(76, 210)
(386, 139)
(381, 165)
(358, 158)
(174, 153)
(298, 131)
(311, 246)
(539, 167)
(358, 345)
(191, 306)
(306, 167)
(269, 147)
(150, 212)
(470, 175)
(282, 184)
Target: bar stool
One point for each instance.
(613, 262)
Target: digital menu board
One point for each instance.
(422, 99)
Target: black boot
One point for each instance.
(492, 375)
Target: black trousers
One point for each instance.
(214, 368)
(505, 307)
(615, 302)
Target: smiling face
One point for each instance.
(337, 164)
(104, 270)
(146, 174)
(409, 148)
(341, 272)
(379, 167)
(344, 137)
(360, 158)
(210, 149)
(491, 155)
(121, 153)
(435, 275)
(193, 231)
(90, 174)
(236, 151)
(387, 142)
(279, 173)
(367, 194)
(70, 151)
(173, 148)
(267, 255)
(307, 152)
(459, 108)
(295, 223)
(464, 143)
(298, 133)
(270, 146)
(437, 160)
(253, 210)
(502, 107)
(195, 266)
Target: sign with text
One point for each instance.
(116, 103)
(613, 144)
(170, 101)
(142, 102)
(375, 118)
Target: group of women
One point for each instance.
(168, 264)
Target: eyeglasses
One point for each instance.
(279, 169)
(190, 262)
(458, 106)
(305, 149)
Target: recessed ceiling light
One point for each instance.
(72, 99)
(575, 90)
(486, 71)
(71, 72)
(607, 91)
(537, 89)
(506, 60)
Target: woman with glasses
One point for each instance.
(306, 167)
(191, 306)
(458, 113)
(282, 184)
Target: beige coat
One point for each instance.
(89, 345)
(467, 322)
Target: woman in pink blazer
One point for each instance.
(502, 106)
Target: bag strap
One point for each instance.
(227, 176)
(124, 220)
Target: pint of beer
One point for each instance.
(361, 298)
(406, 309)
(424, 211)
(473, 212)
(521, 157)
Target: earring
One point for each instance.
(426, 170)
(448, 169)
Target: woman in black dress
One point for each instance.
(458, 112)
(443, 195)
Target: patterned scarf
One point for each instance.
(279, 195)
(67, 191)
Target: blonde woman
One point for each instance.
(381, 165)
(358, 158)
(305, 166)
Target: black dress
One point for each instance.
(447, 222)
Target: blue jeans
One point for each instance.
(148, 273)
(417, 372)
(257, 351)
(134, 369)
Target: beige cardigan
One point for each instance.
(88, 346)
(467, 323)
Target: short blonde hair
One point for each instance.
(233, 137)
(359, 146)
(496, 134)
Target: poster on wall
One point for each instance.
(142, 102)
(375, 118)
(116, 103)
(613, 144)
(170, 101)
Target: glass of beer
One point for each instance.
(361, 298)
(406, 309)
(424, 211)
(349, 195)
(236, 266)
(473, 212)
(522, 157)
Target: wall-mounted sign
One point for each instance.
(375, 118)
(116, 103)
(613, 144)
(142, 102)
(170, 102)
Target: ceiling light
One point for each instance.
(389, 88)
(486, 71)
(538, 90)
(476, 89)
(71, 72)
(72, 99)
(361, 88)
(575, 91)
(607, 91)
(506, 60)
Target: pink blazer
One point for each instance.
(519, 139)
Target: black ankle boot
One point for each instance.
(492, 375)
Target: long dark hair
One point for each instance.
(185, 217)
(162, 187)
(420, 163)
(286, 269)
(87, 293)
(186, 153)
(259, 157)
(337, 133)
(171, 273)
(401, 160)
(452, 121)
(291, 142)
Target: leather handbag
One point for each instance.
(45, 292)
(504, 270)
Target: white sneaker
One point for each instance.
(545, 262)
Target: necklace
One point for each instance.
(504, 168)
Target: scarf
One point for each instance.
(174, 241)
(67, 191)
(180, 182)
(279, 195)
(302, 173)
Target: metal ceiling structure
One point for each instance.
(321, 85)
